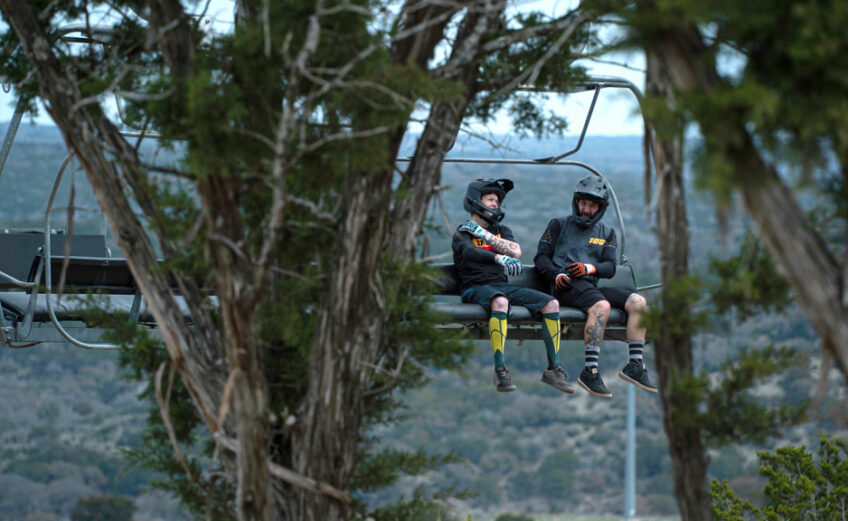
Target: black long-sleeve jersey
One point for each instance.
(564, 242)
(475, 258)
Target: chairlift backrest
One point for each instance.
(19, 249)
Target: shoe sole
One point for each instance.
(593, 393)
(637, 384)
(568, 390)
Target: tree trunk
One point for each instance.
(250, 396)
(330, 420)
(673, 347)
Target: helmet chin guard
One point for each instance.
(595, 189)
(477, 189)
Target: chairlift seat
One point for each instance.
(523, 325)
(18, 248)
(86, 271)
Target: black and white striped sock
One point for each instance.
(592, 355)
(636, 348)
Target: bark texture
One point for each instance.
(673, 346)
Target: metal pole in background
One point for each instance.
(10, 132)
(630, 456)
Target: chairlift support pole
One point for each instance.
(630, 456)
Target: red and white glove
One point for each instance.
(562, 281)
(578, 269)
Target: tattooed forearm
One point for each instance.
(595, 330)
(505, 247)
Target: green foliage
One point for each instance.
(141, 357)
(554, 478)
(748, 282)
(527, 112)
(420, 507)
(675, 311)
(667, 121)
(734, 413)
(383, 468)
(782, 88)
(513, 517)
(725, 408)
(799, 488)
(103, 508)
(528, 118)
(38, 463)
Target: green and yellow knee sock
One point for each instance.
(497, 334)
(550, 335)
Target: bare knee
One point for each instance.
(636, 303)
(499, 303)
(551, 307)
(602, 307)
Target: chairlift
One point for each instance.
(35, 259)
(473, 319)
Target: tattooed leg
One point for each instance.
(596, 323)
(595, 332)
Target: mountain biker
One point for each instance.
(573, 253)
(483, 249)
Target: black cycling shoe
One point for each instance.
(502, 380)
(590, 379)
(558, 378)
(636, 373)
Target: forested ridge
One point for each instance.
(67, 414)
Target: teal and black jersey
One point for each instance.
(475, 259)
(564, 242)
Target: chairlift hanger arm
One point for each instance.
(595, 83)
(47, 275)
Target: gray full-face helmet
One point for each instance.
(475, 192)
(593, 188)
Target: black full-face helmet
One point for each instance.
(593, 188)
(476, 190)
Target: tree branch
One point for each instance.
(285, 129)
(532, 72)
(166, 417)
(293, 478)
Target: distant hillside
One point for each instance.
(32, 133)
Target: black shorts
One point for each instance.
(582, 294)
(533, 300)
